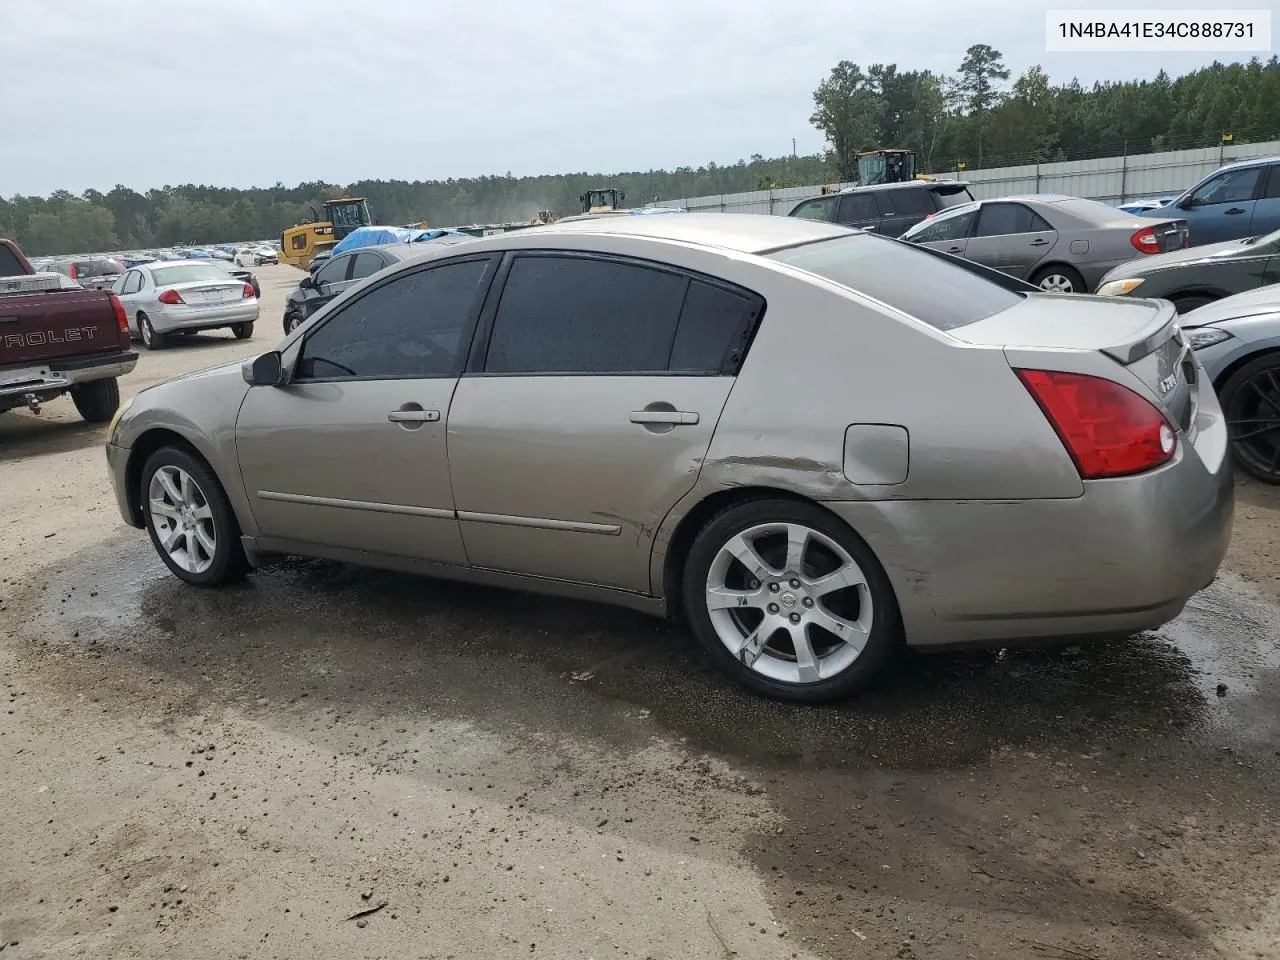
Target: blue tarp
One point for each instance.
(377, 236)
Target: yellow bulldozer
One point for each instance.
(300, 244)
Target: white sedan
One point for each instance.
(255, 256)
(184, 297)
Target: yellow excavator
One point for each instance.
(301, 243)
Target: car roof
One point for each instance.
(1252, 162)
(739, 232)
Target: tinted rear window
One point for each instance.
(98, 268)
(951, 197)
(928, 288)
(9, 264)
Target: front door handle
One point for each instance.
(955, 249)
(669, 417)
(414, 416)
(1039, 243)
(1234, 211)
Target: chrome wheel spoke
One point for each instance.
(806, 661)
(846, 576)
(726, 598)
(746, 554)
(206, 542)
(164, 508)
(752, 646)
(170, 488)
(186, 484)
(797, 541)
(170, 537)
(203, 512)
(851, 632)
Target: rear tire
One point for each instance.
(147, 334)
(242, 331)
(811, 616)
(190, 512)
(1059, 279)
(98, 400)
(1251, 401)
(292, 322)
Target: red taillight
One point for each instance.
(1108, 429)
(1144, 241)
(248, 291)
(121, 317)
(171, 297)
(75, 274)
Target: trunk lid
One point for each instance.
(42, 327)
(1171, 235)
(195, 292)
(1141, 335)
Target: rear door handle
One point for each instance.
(673, 417)
(1234, 210)
(1039, 243)
(955, 249)
(414, 416)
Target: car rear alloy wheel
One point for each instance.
(1251, 401)
(790, 601)
(150, 339)
(1059, 280)
(292, 322)
(189, 518)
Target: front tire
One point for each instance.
(242, 331)
(98, 400)
(789, 601)
(147, 333)
(190, 520)
(1184, 305)
(1251, 401)
(1059, 279)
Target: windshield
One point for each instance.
(187, 273)
(926, 287)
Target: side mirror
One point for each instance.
(1184, 203)
(308, 282)
(265, 371)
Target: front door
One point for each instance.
(351, 453)
(589, 414)
(1222, 207)
(859, 210)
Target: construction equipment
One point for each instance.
(886, 166)
(603, 200)
(299, 244)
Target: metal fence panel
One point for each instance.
(1110, 179)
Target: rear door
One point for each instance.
(588, 412)
(859, 210)
(1266, 211)
(903, 207)
(1011, 237)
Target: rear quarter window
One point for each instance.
(10, 266)
(952, 197)
(922, 285)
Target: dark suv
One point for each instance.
(889, 209)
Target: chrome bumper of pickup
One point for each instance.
(60, 375)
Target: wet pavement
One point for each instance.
(1112, 799)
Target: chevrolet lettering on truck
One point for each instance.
(58, 338)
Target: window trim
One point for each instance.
(484, 329)
(486, 283)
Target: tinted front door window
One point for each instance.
(858, 208)
(335, 271)
(813, 210)
(418, 325)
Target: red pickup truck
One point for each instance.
(56, 338)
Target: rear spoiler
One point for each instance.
(1155, 334)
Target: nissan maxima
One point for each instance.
(813, 445)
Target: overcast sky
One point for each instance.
(251, 92)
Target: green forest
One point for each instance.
(979, 116)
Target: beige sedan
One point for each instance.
(815, 444)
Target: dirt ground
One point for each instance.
(329, 760)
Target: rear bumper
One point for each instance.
(205, 316)
(63, 373)
(1123, 557)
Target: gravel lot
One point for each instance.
(335, 761)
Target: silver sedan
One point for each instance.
(1060, 244)
(185, 297)
(813, 443)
